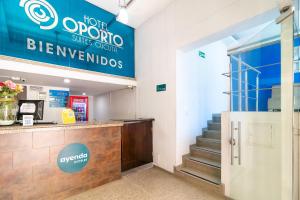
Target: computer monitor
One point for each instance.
(31, 107)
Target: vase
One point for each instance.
(8, 110)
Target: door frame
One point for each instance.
(287, 100)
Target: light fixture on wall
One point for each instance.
(67, 80)
(123, 16)
(123, 13)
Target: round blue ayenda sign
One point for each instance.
(73, 158)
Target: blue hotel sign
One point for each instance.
(69, 33)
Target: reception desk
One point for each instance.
(46, 162)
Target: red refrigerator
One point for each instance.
(80, 106)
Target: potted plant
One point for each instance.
(8, 102)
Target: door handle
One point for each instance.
(232, 142)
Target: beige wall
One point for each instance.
(297, 156)
(297, 167)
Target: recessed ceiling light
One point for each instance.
(67, 80)
(84, 94)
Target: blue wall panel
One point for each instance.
(67, 33)
(267, 60)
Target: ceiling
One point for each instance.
(256, 35)
(139, 11)
(76, 86)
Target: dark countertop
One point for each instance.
(130, 121)
(21, 129)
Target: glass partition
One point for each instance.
(255, 120)
(255, 71)
(264, 118)
(296, 117)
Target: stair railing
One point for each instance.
(243, 86)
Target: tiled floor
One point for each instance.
(148, 184)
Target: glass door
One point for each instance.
(260, 124)
(255, 119)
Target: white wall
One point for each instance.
(119, 104)
(182, 23)
(91, 109)
(199, 92)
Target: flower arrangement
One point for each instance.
(8, 102)
(9, 89)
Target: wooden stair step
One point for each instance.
(210, 150)
(209, 139)
(205, 161)
(216, 115)
(201, 175)
(206, 153)
(216, 118)
(216, 151)
(211, 125)
(201, 167)
(209, 143)
(213, 134)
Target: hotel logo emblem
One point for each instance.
(41, 13)
(73, 158)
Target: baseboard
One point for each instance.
(140, 168)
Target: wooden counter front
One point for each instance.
(28, 161)
(137, 143)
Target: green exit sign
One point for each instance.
(202, 54)
(161, 88)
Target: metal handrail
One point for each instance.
(250, 98)
(245, 83)
(261, 89)
(260, 67)
(247, 65)
(243, 90)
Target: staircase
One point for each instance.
(274, 103)
(203, 164)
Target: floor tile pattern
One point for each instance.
(148, 184)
